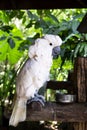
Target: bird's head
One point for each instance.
(55, 42)
(47, 45)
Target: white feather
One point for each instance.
(33, 75)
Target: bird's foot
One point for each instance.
(37, 98)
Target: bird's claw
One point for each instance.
(37, 98)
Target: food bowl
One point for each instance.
(65, 98)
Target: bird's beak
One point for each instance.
(56, 51)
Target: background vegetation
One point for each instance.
(19, 29)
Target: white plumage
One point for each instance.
(33, 74)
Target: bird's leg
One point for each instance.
(37, 98)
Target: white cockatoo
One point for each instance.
(34, 74)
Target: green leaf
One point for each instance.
(11, 42)
(81, 49)
(53, 17)
(17, 33)
(14, 55)
(6, 28)
(75, 24)
(9, 51)
(32, 16)
(76, 50)
(85, 50)
(3, 50)
(2, 38)
(18, 37)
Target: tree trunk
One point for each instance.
(80, 72)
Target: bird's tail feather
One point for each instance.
(18, 113)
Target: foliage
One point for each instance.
(81, 48)
(19, 28)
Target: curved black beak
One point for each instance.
(56, 51)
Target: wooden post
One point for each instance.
(80, 80)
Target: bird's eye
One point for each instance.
(50, 44)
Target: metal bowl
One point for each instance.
(65, 98)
